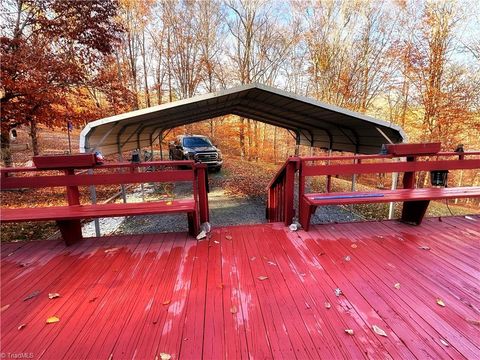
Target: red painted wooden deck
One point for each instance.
(138, 296)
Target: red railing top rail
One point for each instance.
(281, 172)
(110, 165)
(387, 156)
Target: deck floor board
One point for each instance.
(134, 297)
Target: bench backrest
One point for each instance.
(126, 173)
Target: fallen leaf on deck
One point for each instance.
(440, 302)
(397, 286)
(164, 356)
(32, 295)
(216, 242)
(354, 246)
(470, 218)
(53, 319)
(252, 258)
(424, 247)
(21, 326)
(111, 250)
(202, 235)
(261, 278)
(228, 237)
(271, 263)
(473, 322)
(328, 305)
(169, 203)
(53, 295)
(233, 309)
(4, 307)
(166, 302)
(347, 258)
(349, 331)
(379, 331)
(338, 292)
(444, 342)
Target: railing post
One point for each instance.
(289, 191)
(202, 192)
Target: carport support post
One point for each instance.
(297, 143)
(93, 198)
(122, 186)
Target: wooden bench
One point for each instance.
(417, 200)
(419, 158)
(68, 217)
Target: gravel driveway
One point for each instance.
(225, 210)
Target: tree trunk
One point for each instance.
(5, 142)
(34, 135)
(145, 75)
(275, 145)
(249, 134)
(242, 137)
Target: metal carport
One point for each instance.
(314, 123)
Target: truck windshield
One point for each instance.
(193, 142)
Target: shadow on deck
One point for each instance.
(249, 291)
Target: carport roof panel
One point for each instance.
(317, 123)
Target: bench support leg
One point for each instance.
(193, 223)
(306, 212)
(71, 231)
(414, 211)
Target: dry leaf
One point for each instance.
(202, 235)
(220, 286)
(444, 342)
(166, 302)
(53, 319)
(338, 292)
(233, 309)
(21, 326)
(32, 295)
(252, 258)
(379, 331)
(424, 247)
(354, 246)
(261, 278)
(347, 258)
(328, 305)
(473, 322)
(169, 203)
(4, 307)
(440, 302)
(271, 263)
(164, 356)
(397, 286)
(216, 242)
(228, 237)
(53, 295)
(349, 331)
(111, 250)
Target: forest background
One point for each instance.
(412, 63)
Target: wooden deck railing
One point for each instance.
(281, 191)
(406, 159)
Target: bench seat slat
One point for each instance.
(340, 198)
(96, 211)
